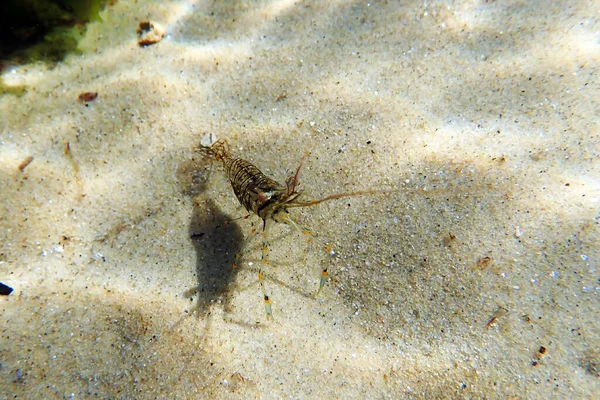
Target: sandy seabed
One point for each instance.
(478, 278)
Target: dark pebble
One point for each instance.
(5, 290)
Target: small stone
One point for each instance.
(149, 33)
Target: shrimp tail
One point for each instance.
(219, 149)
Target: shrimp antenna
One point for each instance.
(311, 203)
(292, 181)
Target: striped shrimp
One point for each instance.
(269, 200)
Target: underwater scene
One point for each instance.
(300, 199)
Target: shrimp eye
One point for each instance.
(263, 197)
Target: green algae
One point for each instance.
(45, 30)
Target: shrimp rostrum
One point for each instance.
(269, 200)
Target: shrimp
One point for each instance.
(270, 201)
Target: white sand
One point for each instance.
(494, 103)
